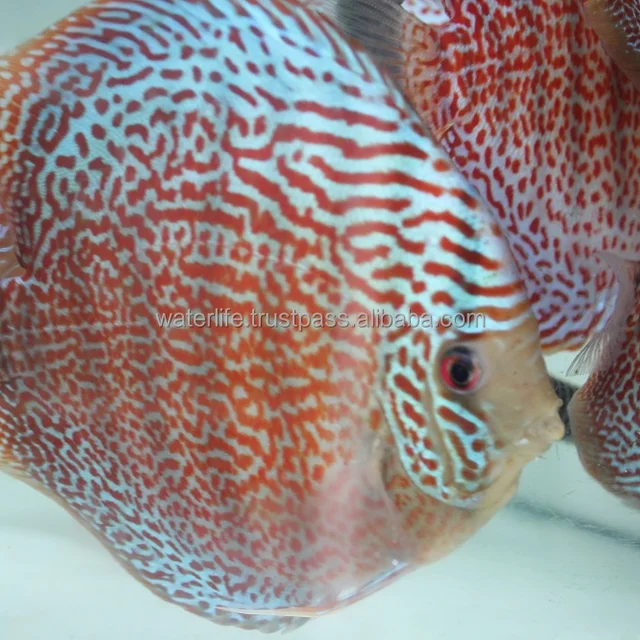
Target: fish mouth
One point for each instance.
(539, 436)
(504, 477)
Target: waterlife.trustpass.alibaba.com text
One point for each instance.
(299, 320)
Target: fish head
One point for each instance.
(469, 400)
(507, 418)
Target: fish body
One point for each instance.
(604, 415)
(605, 412)
(172, 170)
(536, 115)
(536, 105)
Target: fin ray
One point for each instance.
(377, 25)
(617, 23)
(602, 349)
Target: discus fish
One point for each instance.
(233, 162)
(536, 115)
(605, 412)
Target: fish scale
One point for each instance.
(243, 156)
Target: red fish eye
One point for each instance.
(460, 369)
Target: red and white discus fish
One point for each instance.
(540, 119)
(224, 160)
(605, 412)
(536, 115)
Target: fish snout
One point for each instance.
(505, 472)
(541, 434)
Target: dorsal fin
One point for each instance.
(379, 25)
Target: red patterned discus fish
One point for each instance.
(224, 160)
(536, 115)
(605, 412)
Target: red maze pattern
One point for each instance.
(538, 117)
(189, 155)
(604, 417)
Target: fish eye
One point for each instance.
(460, 369)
